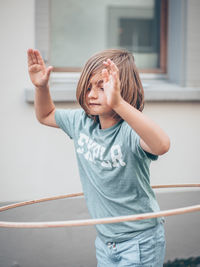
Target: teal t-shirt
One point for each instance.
(114, 172)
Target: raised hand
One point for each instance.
(111, 83)
(39, 73)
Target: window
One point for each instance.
(67, 32)
(78, 29)
(137, 28)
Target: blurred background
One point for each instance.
(38, 161)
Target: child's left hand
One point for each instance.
(111, 83)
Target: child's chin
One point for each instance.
(92, 113)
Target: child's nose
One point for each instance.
(93, 93)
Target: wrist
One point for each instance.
(118, 104)
(43, 88)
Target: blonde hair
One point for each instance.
(130, 84)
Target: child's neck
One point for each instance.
(107, 122)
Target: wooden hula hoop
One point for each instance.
(87, 222)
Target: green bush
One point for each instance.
(190, 262)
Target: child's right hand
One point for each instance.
(39, 73)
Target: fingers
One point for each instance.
(105, 75)
(39, 58)
(111, 66)
(34, 57)
(112, 70)
(29, 54)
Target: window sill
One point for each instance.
(156, 88)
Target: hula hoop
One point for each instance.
(87, 222)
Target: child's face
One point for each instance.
(96, 99)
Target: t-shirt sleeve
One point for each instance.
(133, 141)
(67, 120)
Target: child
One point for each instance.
(115, 144)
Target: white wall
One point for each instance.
(29, 153)
(37, 161)
(181, 121)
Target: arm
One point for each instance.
(39, 75)
(153, 139)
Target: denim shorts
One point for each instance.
(145, 249)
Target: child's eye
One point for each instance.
(89, 89)
(102, 88)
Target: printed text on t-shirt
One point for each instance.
(93, 151)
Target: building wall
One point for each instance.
(37, 161)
